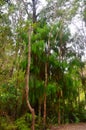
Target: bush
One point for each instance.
(6, 125)
(24, 122)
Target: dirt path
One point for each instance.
(80, 126)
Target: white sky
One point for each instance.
(43, 2)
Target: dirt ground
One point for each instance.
(80, 126)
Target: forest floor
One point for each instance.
(79, 126)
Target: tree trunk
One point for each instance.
(46, 80)
(34, 2)
(59, 114)
(47, 51)
(34, 8)
(27, 80)
(39, 111)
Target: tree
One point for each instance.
(27, 80)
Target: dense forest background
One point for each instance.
(42, 63)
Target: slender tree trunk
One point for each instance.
(59, 114)
(39, 111)
(27, 80)
(63, 103)
(46, 80)
(63, 112)
(34, 8)
(59, 117)
(34, 2)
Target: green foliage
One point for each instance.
(2, 3)
(65, 72)
(36, 86)
(22, 124)
(38, 47)
(6, 124)
(51, 89)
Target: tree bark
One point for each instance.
(33, 6)
(46, 80)
(27, 78)
(58, 104)
(39, 111)
(34, 2)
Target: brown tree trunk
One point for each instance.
(39, 111)
(27, 80)
(59, 114)
(46, 80)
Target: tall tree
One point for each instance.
(47, 52)
(28, 78)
